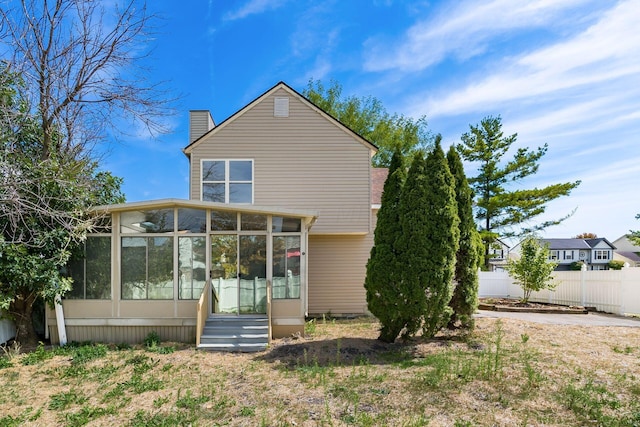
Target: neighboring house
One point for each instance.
(278, 225)
(595, 253)
(498, 255)
(627, 251)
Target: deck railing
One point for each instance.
(202, 311)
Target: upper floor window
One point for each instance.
(227, 181)
(568, 254)
(553, 255)
(602, 254)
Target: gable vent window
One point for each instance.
(281, 107)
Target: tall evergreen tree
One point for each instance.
(464, 301)
(502, 212)
(382, 282)
(412, 244)
(444, 235)
(429, 241)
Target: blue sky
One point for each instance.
(562, 72)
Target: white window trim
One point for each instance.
(605, 255)
(226, 178)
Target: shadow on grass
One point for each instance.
(335, 352)
(348, 351)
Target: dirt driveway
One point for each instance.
(590, 319)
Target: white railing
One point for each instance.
(611, 291)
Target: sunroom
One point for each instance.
(184, 268)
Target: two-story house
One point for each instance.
(498, 255)
(278, 225)
(594, 253)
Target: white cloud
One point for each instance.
(254, 7)
(581, 94)
(462, 31)
(607, 51)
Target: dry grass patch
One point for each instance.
(508, 372)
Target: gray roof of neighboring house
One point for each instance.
(633, 256)
(557, 244)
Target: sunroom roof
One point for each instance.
(307, 215)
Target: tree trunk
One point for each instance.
(21, 310)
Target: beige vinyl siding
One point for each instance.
(200, 123)
(304, 161)
(337, 268)
(124, 334)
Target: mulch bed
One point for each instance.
(515, 305)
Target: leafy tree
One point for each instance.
(503, 212)
(368, 118)
(533, 270)
(383, 280)
(586, 236)
(43, 217)
(71, 71)
(464, 301)
(44, 199)
(429, 242)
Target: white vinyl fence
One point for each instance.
(7, 329)
(611, 291)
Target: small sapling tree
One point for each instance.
(533, 271)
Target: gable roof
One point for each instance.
(281, 85)
(594, 242)
(559, 244)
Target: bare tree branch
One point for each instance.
(81, 62)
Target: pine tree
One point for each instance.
(383, 269)
(503, 212)
(464, 301)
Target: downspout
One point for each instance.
(306, 273)
(62, 332)
(308, 222)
